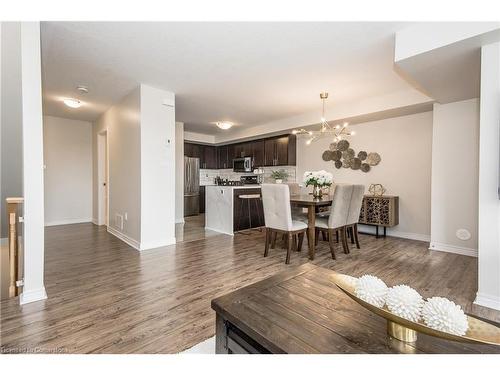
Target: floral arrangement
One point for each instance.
(437, 312)
(319, 178)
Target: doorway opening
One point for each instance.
(102, 178)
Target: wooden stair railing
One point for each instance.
(13, 218)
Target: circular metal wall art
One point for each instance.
(346, 163)
(338, 164)
(348, 154)
(327, 155)
(333, 146)
(336, 155)
(356, 164)
(373, 158)
(365, 167)
(362, 155)
(342, 145)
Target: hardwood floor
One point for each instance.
(105, 297)
(193, 229)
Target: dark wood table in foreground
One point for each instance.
(301, 311)
(307, 200)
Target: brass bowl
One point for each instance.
(406, 330)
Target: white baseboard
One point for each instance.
(28, 296)
(180, 221)
(68, 221)
(395, 233)
(453, 249)
(217, 230)
(128, 240)
(486, 300)
(155, 245)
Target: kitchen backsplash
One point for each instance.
(207, 176)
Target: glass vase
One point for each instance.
(317, 191)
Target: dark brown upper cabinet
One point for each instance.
(209, 157)
(270, 152)
(206, 154)
(258, 153)
(192, 150)
(280, 150)
(223, 158)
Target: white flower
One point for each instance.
(444, 315)
(319, 178)
(371, 289)
(405, 302)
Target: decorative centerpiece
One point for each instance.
(279, 176)
(318, 180)
(407, 313)
(377, 190)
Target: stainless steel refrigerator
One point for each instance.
(191, 186)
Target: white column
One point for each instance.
(158, 172)
(34, 289)
(179, 172)
(488, 293)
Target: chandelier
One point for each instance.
(337, 132)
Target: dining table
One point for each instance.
(311, 203)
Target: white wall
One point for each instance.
(455, 162)
(31, 69)
(488, 293)
(122, 122)
(68, 170)
(11, 118)
(404, 143)
(141, 150)
(179, 172)
(158, 170)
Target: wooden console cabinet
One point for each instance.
(380, 211)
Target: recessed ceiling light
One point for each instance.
(224, 125)
(73, 103)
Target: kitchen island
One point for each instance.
(226, 213)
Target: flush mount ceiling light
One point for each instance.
(338, 132)
(224, 125)
(72, 103)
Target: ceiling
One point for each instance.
(247, 73)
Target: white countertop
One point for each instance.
(235, 187)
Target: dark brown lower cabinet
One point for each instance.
(242, 207)
(202, 199)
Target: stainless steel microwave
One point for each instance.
(242, 164)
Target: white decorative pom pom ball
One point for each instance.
(371, 289)
(444, 315)
(405, 302)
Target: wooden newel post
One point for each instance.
(13, 219)
(13, 261)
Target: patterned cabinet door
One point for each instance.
(380, 210)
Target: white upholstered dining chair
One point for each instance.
(358, 193)
(337, 219)
(297, 212)
(278, 218)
